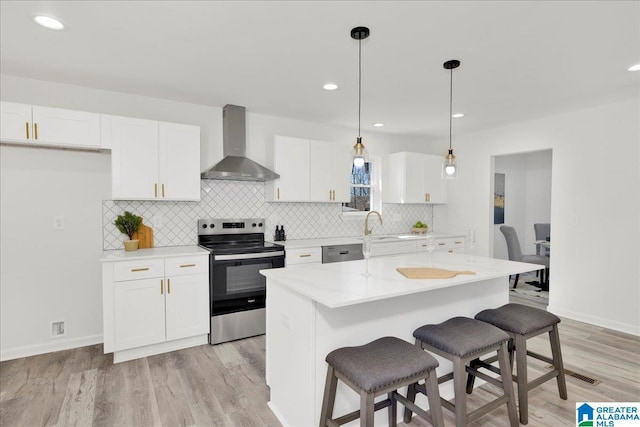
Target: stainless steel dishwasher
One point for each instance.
(339, 253)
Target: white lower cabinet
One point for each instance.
(155, 305)
(140, 313)
(448, 244)
(304, 255)
(392, 248)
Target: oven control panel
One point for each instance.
(230, 226)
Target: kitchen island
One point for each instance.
(313, 309)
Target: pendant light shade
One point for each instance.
(449, 167)
(359, 152)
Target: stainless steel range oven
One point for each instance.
(237, 290)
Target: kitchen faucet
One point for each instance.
(367, 230)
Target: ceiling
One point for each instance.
(520, 59)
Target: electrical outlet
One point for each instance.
(58, 222)
(57, 328)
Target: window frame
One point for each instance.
(376, 190)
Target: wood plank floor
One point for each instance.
(224, 385)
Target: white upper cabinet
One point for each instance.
(55, 127)
(328, 172)
(291, 157)
(153, 160)
(179, 161)
(310, 171)
(415, 178)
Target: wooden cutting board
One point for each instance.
(145, 235)
(430, 273)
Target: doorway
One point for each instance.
(522, 198)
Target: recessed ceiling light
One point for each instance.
(457, 115)
(49, 22)
(378, 125)
(635, 67)
(330, 86)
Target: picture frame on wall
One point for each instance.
(498, 199)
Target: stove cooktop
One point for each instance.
(241, 248)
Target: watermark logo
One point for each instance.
(608, 414)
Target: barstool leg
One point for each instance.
(366, 409)
(507, 384)
(393, 410)
(459, 386)
(433, 395)
(523, 382)
(411, 397)
(330, 385)
(554, 338)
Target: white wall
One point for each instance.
(49, 275)
(527, 197)
(595, 198)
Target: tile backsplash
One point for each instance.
(175, 223)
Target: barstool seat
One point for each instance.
(379, 367)
(522, 322)
(461, 340)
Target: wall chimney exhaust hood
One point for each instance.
(235, 166)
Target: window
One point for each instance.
(364, 190)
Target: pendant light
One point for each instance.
(450, 168)
(359, 153)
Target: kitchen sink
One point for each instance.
(384, 238)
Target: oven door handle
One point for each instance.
(248, 256)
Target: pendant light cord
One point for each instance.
(450, 106)
(359, 82)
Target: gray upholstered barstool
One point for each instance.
(462, 340)
(380, 367)
(522, 322)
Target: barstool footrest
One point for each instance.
(486, 377)
(356, 414)
(486, 408)
(415, 408)
(540, 356)
(445, 378)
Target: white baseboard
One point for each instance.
(57, 345)
(595, 320)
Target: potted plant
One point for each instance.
(128, 224)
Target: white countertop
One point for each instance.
(343, 284)
(332, 241)
(160, 252)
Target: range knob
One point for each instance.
(212, 225)
(253, 225)
(260, 224)
(204, 225)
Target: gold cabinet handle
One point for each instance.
(155, 190)
(133, 270)
(26, 127)
(35, 130)
(278, 191)
(162, 190)
(168, 286)
(330, 195)
(425, 197)
(305, 255)
(450, 251)
(441, 244)
(187, 265)
(458, 243)
(161, 287)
